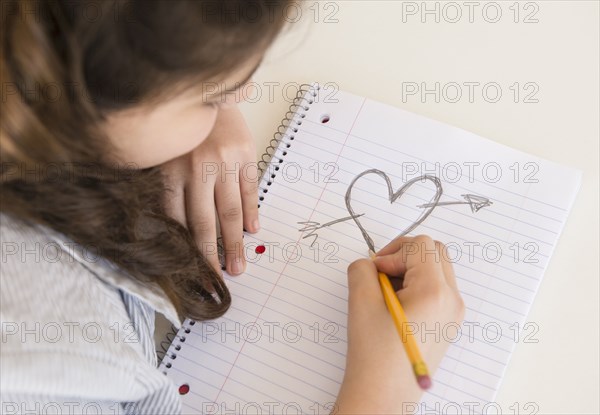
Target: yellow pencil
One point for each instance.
(404, 330)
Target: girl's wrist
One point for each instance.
(372, 391)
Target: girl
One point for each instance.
(107, 218)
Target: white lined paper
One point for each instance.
(244, 361)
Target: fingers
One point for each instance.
(364, 293)
(393, 265)
(419, 255)
(229, 210)
(200, 213)
(394, 245)
(372, 338)
(174, 197)
(249, 177)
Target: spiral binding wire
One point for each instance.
(166, 343)
(175, 339)
(282, 138)
(288, 127)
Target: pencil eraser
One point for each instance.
(424, 381)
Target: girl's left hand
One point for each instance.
(219, 178)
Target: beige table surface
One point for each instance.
(372, 47)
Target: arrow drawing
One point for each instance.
(475, 202)
(314, 226)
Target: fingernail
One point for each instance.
(377, 259)
(256, 225)
(236, 266)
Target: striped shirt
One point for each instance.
(77, 333)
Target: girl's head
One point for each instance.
(90, 88)
(153, 133)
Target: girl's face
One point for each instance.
(151, 135)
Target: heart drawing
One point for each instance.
(392, 197)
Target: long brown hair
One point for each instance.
(65, 65)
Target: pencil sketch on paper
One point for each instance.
(475, 202)
(315, 226)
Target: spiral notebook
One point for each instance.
(344, 171)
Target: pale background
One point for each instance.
(370, 51)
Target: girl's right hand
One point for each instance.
(379, 377)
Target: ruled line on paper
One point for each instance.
(357, 115)
(396, 150)
(304, 292)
